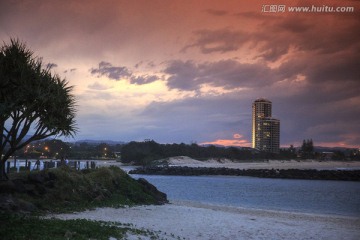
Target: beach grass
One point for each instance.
(16, 227)
(65, 190)
(40, 193)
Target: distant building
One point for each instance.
(265, 129)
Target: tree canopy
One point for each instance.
(34, 103)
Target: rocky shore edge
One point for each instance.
(311, 174)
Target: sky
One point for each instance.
(187, 71)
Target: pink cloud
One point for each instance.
(238, 141)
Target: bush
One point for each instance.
(65, 189)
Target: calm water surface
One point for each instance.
(307, 196)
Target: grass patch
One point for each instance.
(67, 190)
(64, 189)
(25, 227)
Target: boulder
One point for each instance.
(160, 197)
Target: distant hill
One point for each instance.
(96, 142)
(332, 149)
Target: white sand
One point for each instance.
(276, 164)
(189, 220)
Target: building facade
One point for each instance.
(265, 129)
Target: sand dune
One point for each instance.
(276, 164)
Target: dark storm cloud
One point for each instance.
(108, 70)
(118, 73)
(306, 64)
(228, 74)
(70, 18)
(322, 104)
(274, 36)
(144, 79)
(324, 55)
(301, 34)
(221, 40)
(329, 77)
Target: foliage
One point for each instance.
(338, 155)
(55, 148)
(307, 149)
(32, 101)
(288, 153)
(25, 227)
(64, 189)
(143, 153)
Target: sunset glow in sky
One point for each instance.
(188, 71)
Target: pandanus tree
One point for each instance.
(34, 103)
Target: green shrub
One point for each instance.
(65, 189)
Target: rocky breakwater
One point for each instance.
(344, 175)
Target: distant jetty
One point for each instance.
(313, 174)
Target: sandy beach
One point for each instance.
(190, 220)
(276, 164)
(271, 164)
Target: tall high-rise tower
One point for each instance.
(265, 129)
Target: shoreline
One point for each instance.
(193, 220)
(266, 164)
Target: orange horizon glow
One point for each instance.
(229, 143)
(245, 143)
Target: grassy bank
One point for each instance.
(64, 189)
(26, 227)
(28, 196)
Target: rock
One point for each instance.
(160, 197)
(345, 175)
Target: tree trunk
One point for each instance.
(3, 175)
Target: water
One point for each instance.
(306, 196)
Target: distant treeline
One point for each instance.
(143, 153)
(57, 149)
